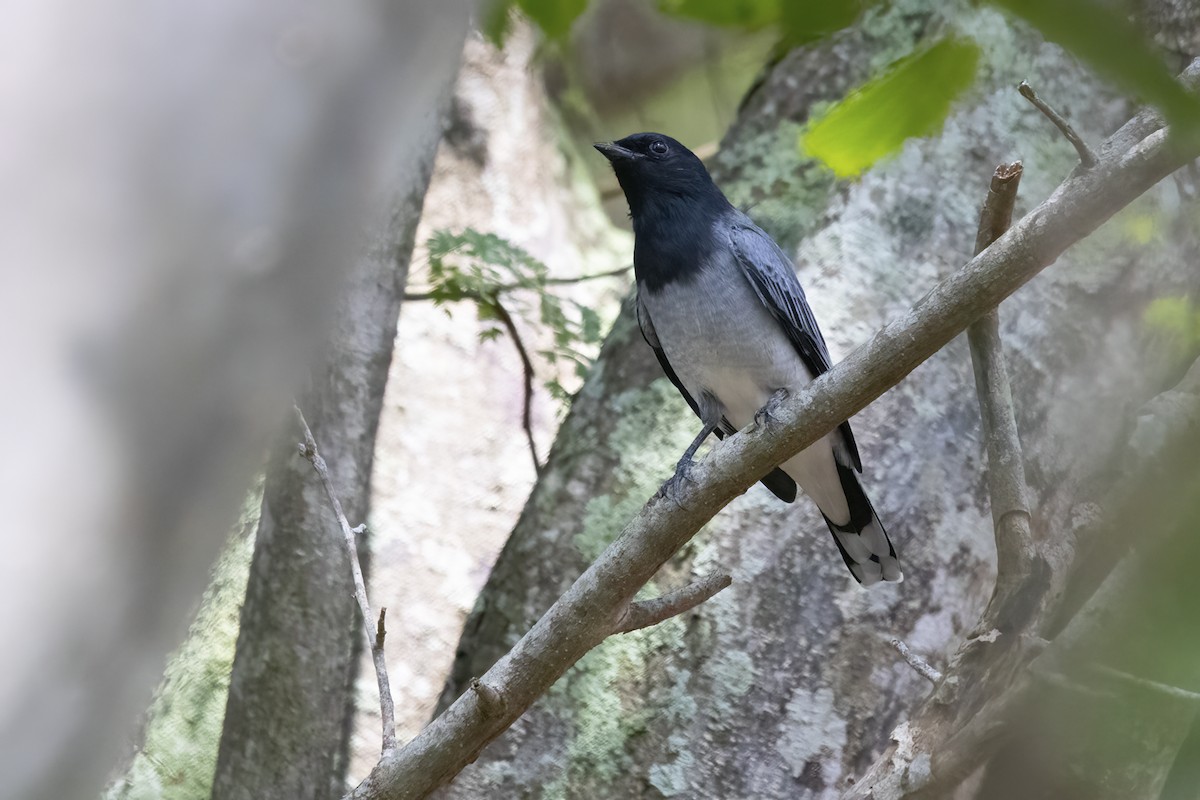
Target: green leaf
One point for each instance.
(589, 324)
(496, 23)
(554, 17)
(488, 334)
(911, 98)
(486, 311)
(1102, 36)
(805, 21)
(727, 13)
(558, 392)
(1176, 318)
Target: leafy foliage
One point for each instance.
(1177, 320)
(750, 14)
(799, 21)
(502, 279)
(810, 20)
(554, 17)
(910, 99)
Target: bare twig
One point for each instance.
(644, 613)
(1007, 490)
(1060, 681)
(1175, 692)
(548, 281)
(387, 709)
(923, 668)
(491, 702)
(583, 616)
(380, 631)
(1086, 156)
(527, 365)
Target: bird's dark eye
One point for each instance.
(659, 148)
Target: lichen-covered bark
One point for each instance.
(291, 700)
(784, 685)
(178, 751)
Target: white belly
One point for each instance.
(721, 340)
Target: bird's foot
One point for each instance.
(674, 485)
(766, 415)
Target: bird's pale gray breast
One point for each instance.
(720, 338)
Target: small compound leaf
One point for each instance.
(489, 334)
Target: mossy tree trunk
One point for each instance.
(291, 696)
(785, 685)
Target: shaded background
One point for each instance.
(782, 686)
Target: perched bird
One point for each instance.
(721, 306)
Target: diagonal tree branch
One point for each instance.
(589, 610)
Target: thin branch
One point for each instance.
(582, 617)
(644, 613)
(922, 666)
(526, 414)
(1086, 156)
(491, 702)
(1175, 692)
(380, 631)
(387, 709)
(548, 281)
(492, 298)
(1006, 468)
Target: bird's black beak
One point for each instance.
(614, 152)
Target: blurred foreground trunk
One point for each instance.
(291, 695)
(187, 179)
(785, 685)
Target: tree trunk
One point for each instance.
(291, 695)
(452, 468)
(188, 174)
(785, 685)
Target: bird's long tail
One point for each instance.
(863, 542)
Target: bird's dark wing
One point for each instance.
(773, 277)
(778, 481)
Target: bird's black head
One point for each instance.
(655, 170)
